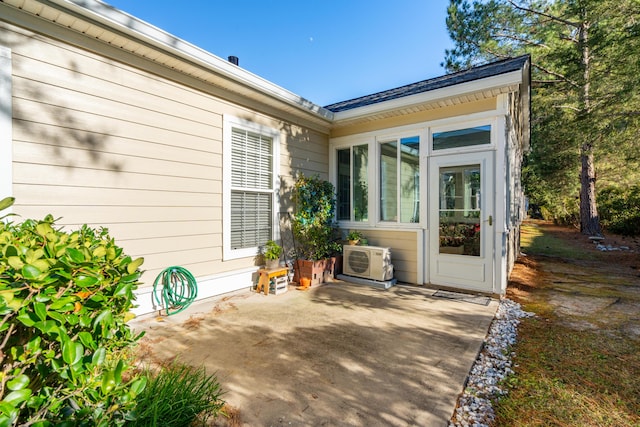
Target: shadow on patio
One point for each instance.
(338, 354)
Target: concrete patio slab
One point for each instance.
(338, 354)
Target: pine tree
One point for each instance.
(585, 106)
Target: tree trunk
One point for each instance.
(589, 221)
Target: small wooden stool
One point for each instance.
(266, 275)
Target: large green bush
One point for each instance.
(313, 222)
(619, 209)
(65, 298)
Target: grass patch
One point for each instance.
(534, 240)
(178, 395)
(571, 378)
(563, 376)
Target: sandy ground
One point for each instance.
(338, 354)
(599, 292)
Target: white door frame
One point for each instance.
(464, 271)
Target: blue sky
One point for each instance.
(326, 51)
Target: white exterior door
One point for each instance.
(461, 221)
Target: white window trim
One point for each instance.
(333, 178)
(6, 123)
(373, 139)
(230, 122)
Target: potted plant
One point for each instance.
(271, 253)
(354, 237)
(317, 236)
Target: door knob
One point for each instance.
(490, 220)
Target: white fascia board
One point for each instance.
(488, 83)
(123, 22)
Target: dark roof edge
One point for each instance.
(475, 73)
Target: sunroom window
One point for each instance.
(400, 180)
(352, 183)
(478, 135)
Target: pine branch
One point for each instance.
(545, 82)
(546, 15)
(568, 107)
(555, 74)
(521, 40)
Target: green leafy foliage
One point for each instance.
(314, 227)
(272, 250)
(64, 347)
(585, 102)
(355, 235)
(620, 209)
(178, 395)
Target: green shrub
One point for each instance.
(619, 209)
(178, 395)
(64, 351)
(316, 233)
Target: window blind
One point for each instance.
(251, 188)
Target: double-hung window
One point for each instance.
(250, 159)
(400, 180)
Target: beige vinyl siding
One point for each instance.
(303, 151)
(404, 247)
(99, 142)
(133, 215)
(459, 110)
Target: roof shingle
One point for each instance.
(475, 73)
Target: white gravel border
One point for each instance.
(491, 367)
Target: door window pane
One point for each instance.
(459, 210)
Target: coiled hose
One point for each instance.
(178, 289)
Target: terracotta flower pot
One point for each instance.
(305, 282)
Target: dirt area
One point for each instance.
(599, 291)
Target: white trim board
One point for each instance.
(6, 123)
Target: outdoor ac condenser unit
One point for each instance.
(369, 262)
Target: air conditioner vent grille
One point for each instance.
(369, 262)
(358, 261)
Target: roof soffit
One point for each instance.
(476, 90)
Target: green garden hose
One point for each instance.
(179, 289)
